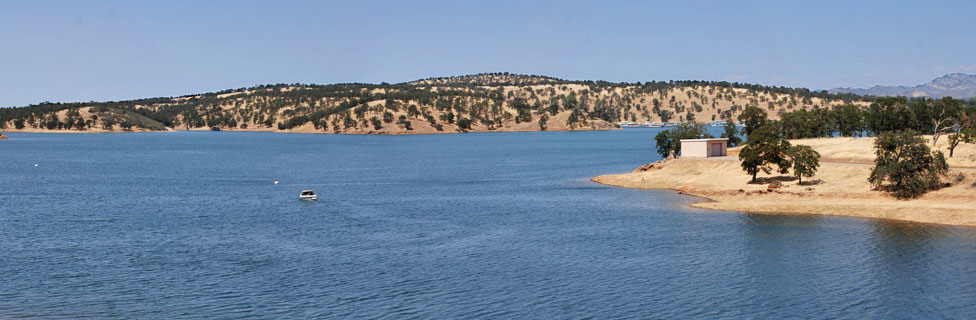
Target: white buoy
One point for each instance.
(35, 165)
(276, 181)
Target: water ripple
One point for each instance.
(425, 227)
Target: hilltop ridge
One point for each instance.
(488, 79)
(956, 85)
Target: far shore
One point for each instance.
(393, 133)
(839, 188)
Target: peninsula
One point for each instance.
(840, 187)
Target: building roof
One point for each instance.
(706, 139)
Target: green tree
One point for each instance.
(464, 123)
(731, 132)
(402, 120)
(570, 102)
(805, 161)
(893, 114)
(669, 141)
(447, 117)
(847, 119)
(523, 110)
(553, 107)
(377, 124)
(664, 144)
(905, 166)
(965, 130)
(576, 118)
(802, 124)
(965, 135)
(763, 150)
(542, 122)
(665, 115)
(920, 114)
(753, 118)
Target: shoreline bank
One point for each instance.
(836, 190)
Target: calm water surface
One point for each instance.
(497, 225)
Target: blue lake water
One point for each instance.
(481, 225)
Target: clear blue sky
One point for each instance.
(113, 50)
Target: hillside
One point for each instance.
(956, 85)
(482, 102)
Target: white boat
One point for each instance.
(308, 195)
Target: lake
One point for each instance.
(480, 225)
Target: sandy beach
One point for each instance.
(839, 188)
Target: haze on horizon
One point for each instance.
(114, 50)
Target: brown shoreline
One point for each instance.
(841, 191)
(704, 199)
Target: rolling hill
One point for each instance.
(481, 102)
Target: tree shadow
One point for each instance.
(811, 182)
(768, 180)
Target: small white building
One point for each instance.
(704, 148)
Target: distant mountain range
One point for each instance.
(956, 85)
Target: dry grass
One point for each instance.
(861, 150)
(837, 189)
